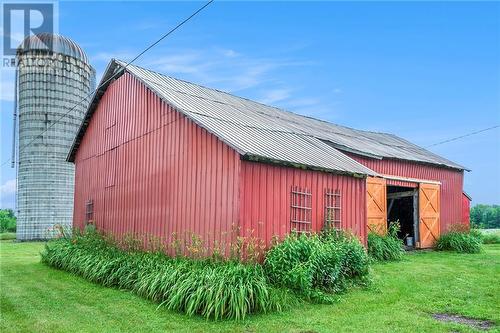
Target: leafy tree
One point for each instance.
(7, 220)
(485, 216)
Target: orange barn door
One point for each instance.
(429, 211)
(376, 205)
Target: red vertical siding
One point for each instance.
(266, 198)
(451, 183)
(150, 170)
(465, 209)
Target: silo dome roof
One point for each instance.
(60, 44)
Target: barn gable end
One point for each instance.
(144, 168)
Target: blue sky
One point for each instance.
(424, 71)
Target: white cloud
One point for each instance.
(235, 72)
(221, 68)
(224, 69)
(9, 187)
(230, 53)
(275, 95)
(305, 102)
(312, 106)
(188, 62)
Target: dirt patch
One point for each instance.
(476, 323)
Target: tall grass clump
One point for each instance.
(317, 266)
(491, 238)
(210, 288)
(386, 247)
(461, 240)
(486, 237)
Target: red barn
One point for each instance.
(466, 199)
(160, 156)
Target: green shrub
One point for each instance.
(472, 231)
(213, 289)
(7, 235)
(491, 238)
(316, 266)
(460, 241)
(7, 220)
(386, 247)
(483, 237)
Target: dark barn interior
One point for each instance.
(402, 207)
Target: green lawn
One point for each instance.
(36, 298)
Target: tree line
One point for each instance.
(481, 216)
(7, 220)
(485, 216)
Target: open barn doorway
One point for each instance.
(402, 206)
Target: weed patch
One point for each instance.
(461, 241)
(213, 289)
(314, 267)
(491, 238)
(7, 235)
(317, 266)
(386, 247)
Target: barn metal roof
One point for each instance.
(261, 132)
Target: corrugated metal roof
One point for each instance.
(253, 134)
(262, 132)
(237, 122)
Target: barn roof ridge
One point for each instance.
(208, 106)
(399, 142)
(247, 99)
(257, 102)
(305, 143)
(275, 117)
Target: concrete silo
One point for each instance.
(54, 80)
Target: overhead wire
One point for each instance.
(463, 136)
(86, 97)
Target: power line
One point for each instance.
(464, 136)
(114, 75)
